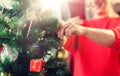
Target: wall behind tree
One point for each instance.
(77, 8)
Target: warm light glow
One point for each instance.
(52, 4)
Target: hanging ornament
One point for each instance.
(9, 52)
(62, 54)
(13, 54)
(36, 65)
(1, 48)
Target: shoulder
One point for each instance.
(95, 21)
(102, 22)
(115, 20)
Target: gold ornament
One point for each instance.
(62, 54)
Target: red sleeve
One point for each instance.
(88, 23)
(71, 45)
(85, 23)
(113, 24)
(116, 44)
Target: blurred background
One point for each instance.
(81, 8)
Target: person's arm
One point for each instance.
(101, 36)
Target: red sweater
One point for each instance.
(92, 59)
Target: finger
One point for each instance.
(69, 30)
(61, 23)
(62, 32)
(64, 40)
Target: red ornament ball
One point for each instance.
(1, 48)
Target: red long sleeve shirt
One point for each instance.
(92, 59)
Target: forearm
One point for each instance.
(101, 36)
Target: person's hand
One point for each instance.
(70, 29)
(75, 20)
(61, 24)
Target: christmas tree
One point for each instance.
(29, 45)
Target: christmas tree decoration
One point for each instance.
(1, 48)
(29, 45)
(9, 52)
(36, 65)
(62, 54)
